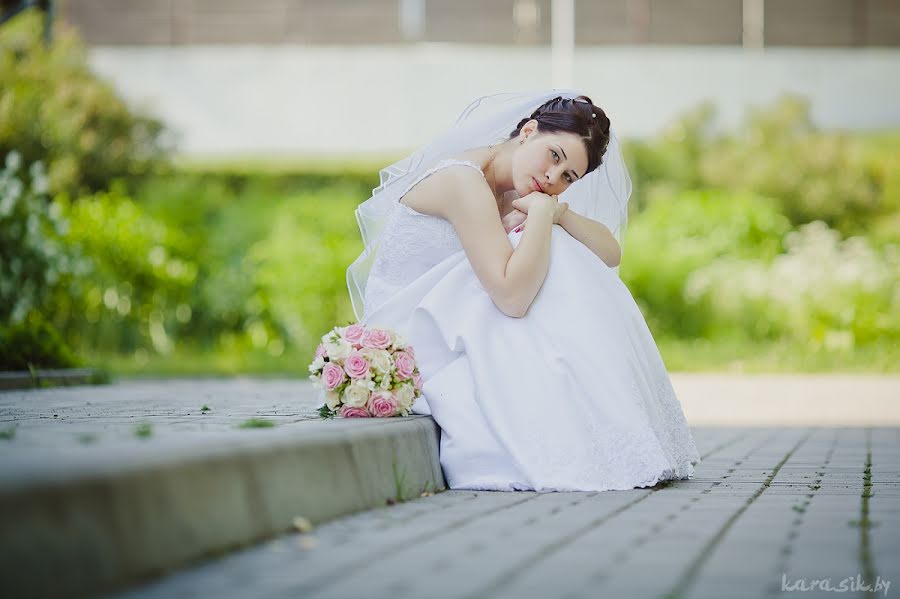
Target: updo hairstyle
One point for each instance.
(573, 115)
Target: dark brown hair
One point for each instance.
(574, 115)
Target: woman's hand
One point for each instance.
(513, 219)
(526, 203)
(535, 198)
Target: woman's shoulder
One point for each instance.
(454, 177)
(476, 157)
(465, 169)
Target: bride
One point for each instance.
(537, 365)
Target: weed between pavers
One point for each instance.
(256, 423)
(87, 438)
(865, 549)
(143, 431)
(205, 408)
(8, 434)
(400, 486)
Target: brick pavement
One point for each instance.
(767, 505)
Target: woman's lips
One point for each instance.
(537, 186)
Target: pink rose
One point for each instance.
(405, 364)
(320, 351)
(382, 404)
(348, 412)
(377, 339)
(409, 349)
(354, 333)
(417, 381)
(356, 366)
(332, 376)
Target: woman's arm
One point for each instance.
(592, 234)
(511, 278)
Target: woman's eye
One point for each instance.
(555, 155)
(568, 178)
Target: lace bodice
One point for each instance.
(411, 245)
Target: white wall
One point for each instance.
(239, 100)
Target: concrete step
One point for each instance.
(82, 518)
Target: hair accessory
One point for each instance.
(593, 115)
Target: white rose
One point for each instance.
(338, 349)
(405, 395)
(316, 381)
(379, 359)
(385, 382)
(400, 342)
(356, 395)
(332, 400)
(317, 364)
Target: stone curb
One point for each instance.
(99, 518)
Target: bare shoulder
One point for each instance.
(445, 191)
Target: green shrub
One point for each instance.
(849, 181)
(34, 343)
(815, 175)
(265, 280)
(301, 265)
(823, 292)
(136, 289)
(222, 216)
(672, 238)
(669, 163)
(54, 109)
(32, 259)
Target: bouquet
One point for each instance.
(365, 372)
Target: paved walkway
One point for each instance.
(147, 410)
(142, 469)
(767, 506)
(64, 416)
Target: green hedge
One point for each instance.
(823, 292)
(674, 237)
(849, 181)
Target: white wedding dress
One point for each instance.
(572, 397)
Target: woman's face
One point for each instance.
(547, 162)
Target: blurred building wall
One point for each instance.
(819, 23)
(245, 77)
(371, 99)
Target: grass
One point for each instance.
(256, 423)
(143, 431)
(703, 355)
(8, 434)
(87, 438)
(205, 408)
(865, 547)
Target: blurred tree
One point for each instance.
(54, 109)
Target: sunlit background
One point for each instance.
(180, 176)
